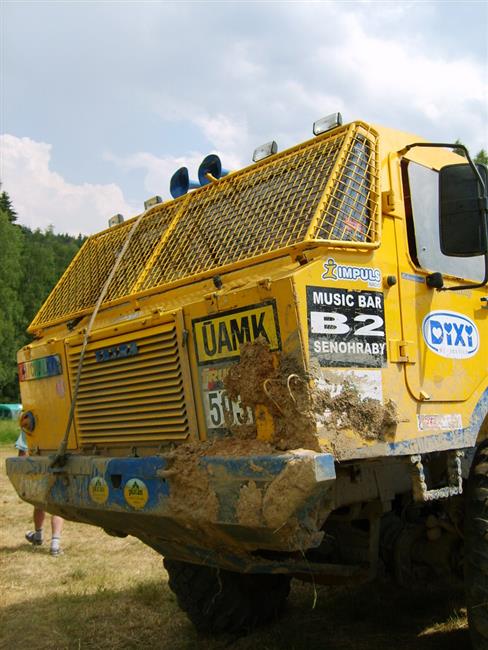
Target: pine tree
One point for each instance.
(460, 152)
(481, 157)
(6, 207)
(11, 305)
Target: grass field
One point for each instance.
(108, 593)
(9, 431)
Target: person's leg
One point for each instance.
(39, 517)
(35, 536)
(56, 529)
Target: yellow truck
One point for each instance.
(281, 374)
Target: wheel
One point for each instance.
(216, 600)
(476, 548)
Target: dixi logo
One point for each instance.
(450, 335)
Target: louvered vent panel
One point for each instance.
(131, 390)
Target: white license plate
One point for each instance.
(217, 405)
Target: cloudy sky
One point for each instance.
(103, 101)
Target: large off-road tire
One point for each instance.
(476, 548)
(223, 601)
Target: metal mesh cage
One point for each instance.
(258, 212)
(324, 189)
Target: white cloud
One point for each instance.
(42, 197)
(224, 132)
(226, 136)
(196, 81)
(409, 78)
(368, 60)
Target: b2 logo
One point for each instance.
(333, 322)
(450, 335)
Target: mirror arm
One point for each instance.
(482, 196)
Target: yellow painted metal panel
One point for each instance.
(47, 398)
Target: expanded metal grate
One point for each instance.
(82, 282)
(325, 189)
(258, 212)
(353, 198)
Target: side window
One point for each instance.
(422, 196)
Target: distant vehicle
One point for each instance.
(10, 411)
(282, 374)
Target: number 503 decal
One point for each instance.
(220, 411)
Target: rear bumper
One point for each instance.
(199, 507)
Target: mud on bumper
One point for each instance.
(219, 506)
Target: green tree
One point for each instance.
(6, 207)
(457, 150)
(49, 254)
(11, 315)
(481, 157)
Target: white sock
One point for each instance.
(55, 543)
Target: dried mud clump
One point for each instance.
(191, 495)
(276, 382)
(249, 506)
(280, 383)
(348, 410)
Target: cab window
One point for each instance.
(421, 186)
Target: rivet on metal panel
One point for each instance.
(265, 284)
(211, 302)
(301, 259)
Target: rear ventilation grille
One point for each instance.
(131, 389)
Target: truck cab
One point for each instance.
(260, 377)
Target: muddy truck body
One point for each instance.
(280, 374)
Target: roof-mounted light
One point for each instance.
(150, 203)
(115, 220)
(264, 151)
(327, 123)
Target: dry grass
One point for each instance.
(112, 593)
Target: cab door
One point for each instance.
(445, 332)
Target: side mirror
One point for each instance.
(462, 210)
